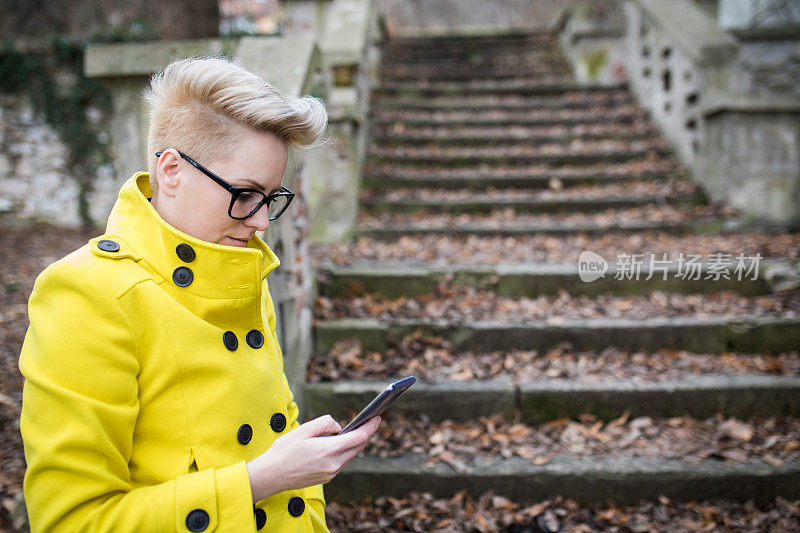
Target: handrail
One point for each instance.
(691, 29)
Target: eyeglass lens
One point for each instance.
(248, 201)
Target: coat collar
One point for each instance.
(218, 271)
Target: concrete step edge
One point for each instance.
(520, 89)
(745, 334)
(454, 105)
(519, 121)
(482, 204)
(564, 158)
(739, 395)
(391, 140)
(623, 480)
(533, 280)
(397, 231)
(378, 181)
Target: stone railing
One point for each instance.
(350, 58)
(593, 46)
(741, 143)
(677, 60)
(722, 98)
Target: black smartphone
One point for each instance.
(381, 402)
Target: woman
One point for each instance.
(155, 397)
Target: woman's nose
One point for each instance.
(260, 220)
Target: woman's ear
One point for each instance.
(167, 172)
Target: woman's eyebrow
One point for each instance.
(254, 183)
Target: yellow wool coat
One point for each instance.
(153, 373)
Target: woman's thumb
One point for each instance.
(318, 426)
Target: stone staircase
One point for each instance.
(488, 172)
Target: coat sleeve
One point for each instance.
(79, 408)
(315, 494)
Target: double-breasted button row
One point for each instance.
(197, 520)
(255, 339)
(261, 517)
(230, 340)
(185, 252)
(296, 506)
(183, 276)
(244, 434)
(277, 422)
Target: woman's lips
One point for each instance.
(238, 242)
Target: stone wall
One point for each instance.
(36, 181)
(757, 163)
(460, 16)
(590, 35)
(767, 67)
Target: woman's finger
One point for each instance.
(318, 426)
(357, 437)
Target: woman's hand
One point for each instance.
(302, 457)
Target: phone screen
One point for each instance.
(380, 403)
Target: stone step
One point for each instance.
(437, 251)
(377, 180)
(502, 66)
(746, 333)
(471, 55)
(484, 37)
(623, 480)
(451, 47)
(455, 44)
(486, 204)
(445, 136)
(421, 511)
(497, 104)
(521, 87)
(395, 280)
(480, 229)
(510, 120)
(475, 73)
(522, 57)
(703, 396)
(505, 157)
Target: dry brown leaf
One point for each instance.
(539, 461)
(483, 525)
(773, 459)
(736, 429)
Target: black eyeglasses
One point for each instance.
(246, 202)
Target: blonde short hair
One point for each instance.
(202, 106)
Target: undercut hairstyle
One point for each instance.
(203, 106)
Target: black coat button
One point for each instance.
(108, 245)
(183, 276)
(197, 520)
(296, 506)
(185, 252)
(230, 341)
(245, 434)
(277, 422)
(255, 338)
(261, 517)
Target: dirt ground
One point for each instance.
(24, 253)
